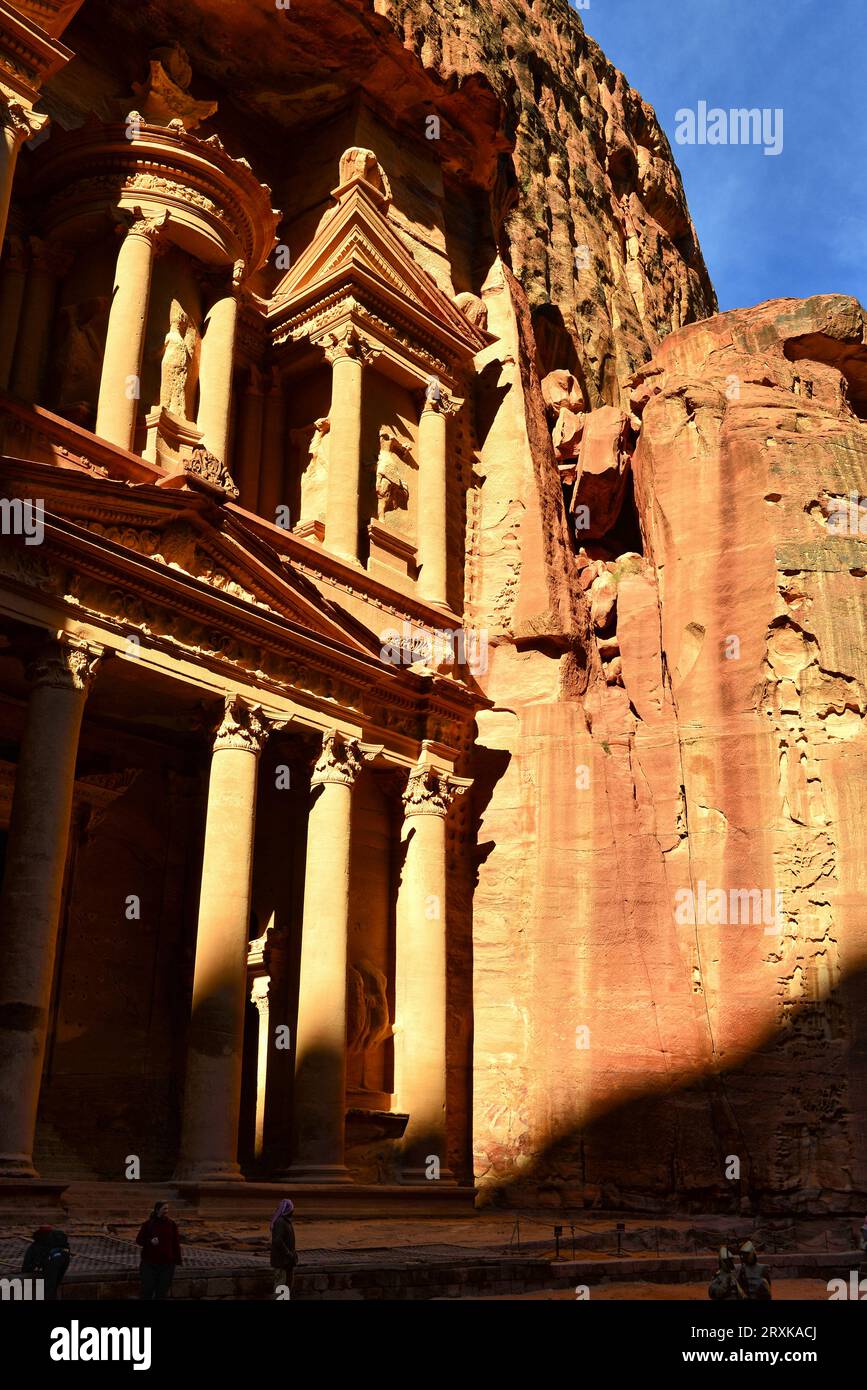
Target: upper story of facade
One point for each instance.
(284, 314)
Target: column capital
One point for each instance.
(259, 993)
(439, 400)
(21, 119)
(65, 663)
(430, 792)
(243, 726)
(342, 759)
(139, 223)
(348, 342)
(15, 257)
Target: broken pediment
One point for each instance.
(357, 250)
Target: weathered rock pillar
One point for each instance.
(320, 1053)
(13, 278)
(212, 1092)
(120, 388)
(215, 371)
(49, 261)
(60, 677)
(348, 354)
(420, 980)
(433, 494)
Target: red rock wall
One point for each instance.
(733, 754)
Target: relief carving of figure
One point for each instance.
(81, 332)
(179, 364)
(368, 1020)
(360, 163)
(475, 309)
(314, 479)
(392, 493)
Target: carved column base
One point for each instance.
(419, 1177)
(17, 1166)
(209, 1172)
(318, 1172)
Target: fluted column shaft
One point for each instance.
(320, 1053)
(33, 884)
(215, 371)
(212, 1090)
(347, 352)
(420, 983)
(120, 388)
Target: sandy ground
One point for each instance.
(800, 1290)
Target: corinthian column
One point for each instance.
(17, 124)
(248, 451)
(320, 1053)
(212, 1092)
(348, 354)
(420, 977)
(120, 386)
(49, 262)
(433, 495)
(59, 677)
(13, 277)
(215, 371)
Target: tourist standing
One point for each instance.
(754, 1279)
(48, 1258)
(724, 1285)
(284, 1256)
(160, 1253)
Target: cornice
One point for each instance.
(196, 180)
(28, 55)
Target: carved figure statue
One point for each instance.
(179, 354)
(81, 335)
(360, 163)
(368, 1021)
(475, 309)
(314, 479)
(392, 493)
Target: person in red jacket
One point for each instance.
(160, 1252)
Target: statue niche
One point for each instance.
(81, 330)
(314, 479)
(368, 1022)
(179, 365)
(392, 493)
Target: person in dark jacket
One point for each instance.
(48, 1258)
(724, 1284)
(754, 1279)
(284, 1256)
(160, 1253)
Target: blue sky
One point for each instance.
(769, 226)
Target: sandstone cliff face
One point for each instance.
(627, 1049)
(594, 217)
(680, 705)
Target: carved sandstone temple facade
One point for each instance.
(236, 890)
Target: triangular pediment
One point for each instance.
(357, 244)
(181, 539)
